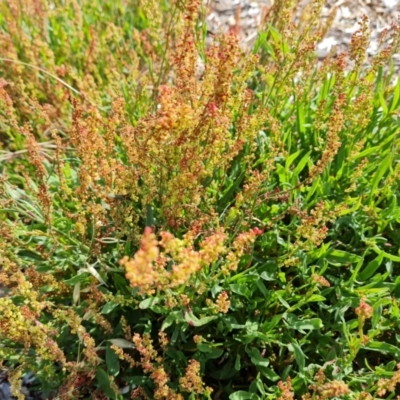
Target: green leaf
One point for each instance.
(174, 316)
(262, 288)
(138, 380)
(77, 279)
(299, 355)
(315, 297)
(28, 254)
(383, 167)
(396, 96)
(269, 373)
(383, 103)
(306, 324)
(228, 193)
(237, 363)
(260, 386)
(104, 382)
(121, 284)
(108, 307)
(148, 303)
(383, 348)
(370, 269)
(260, 40)
(204, 348)
(365, 153)
(278, 39)
(291, 158)
(210, 351)
(149, 216)
(339, 257)
(112, 361)
(123, 343)
(389, 256)
(216, 353)
(302, 163)
(268, 276)
(300, 118)
(192, 320)
(240, 289)
(270, 325)
(257, 359)
(242, 395)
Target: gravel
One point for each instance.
(245, 18)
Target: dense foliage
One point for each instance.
(187, 221)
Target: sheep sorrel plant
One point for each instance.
(226, 235)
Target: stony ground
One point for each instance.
(247, 15)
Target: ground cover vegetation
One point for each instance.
(226, 232)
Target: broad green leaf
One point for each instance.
(174, 316)
(112, 361)
(257, 359)
(268, 276)
(205, 348)
(216, 353)
(108, 307)
(269, 373)
(240, 289)
(242, 395)
(260, 386)
(103, 380)
(306, 324)
(148, 303)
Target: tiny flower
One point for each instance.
(320, 280)
(198, 339)
(223, 302)
(364, 310)
(258, 231)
